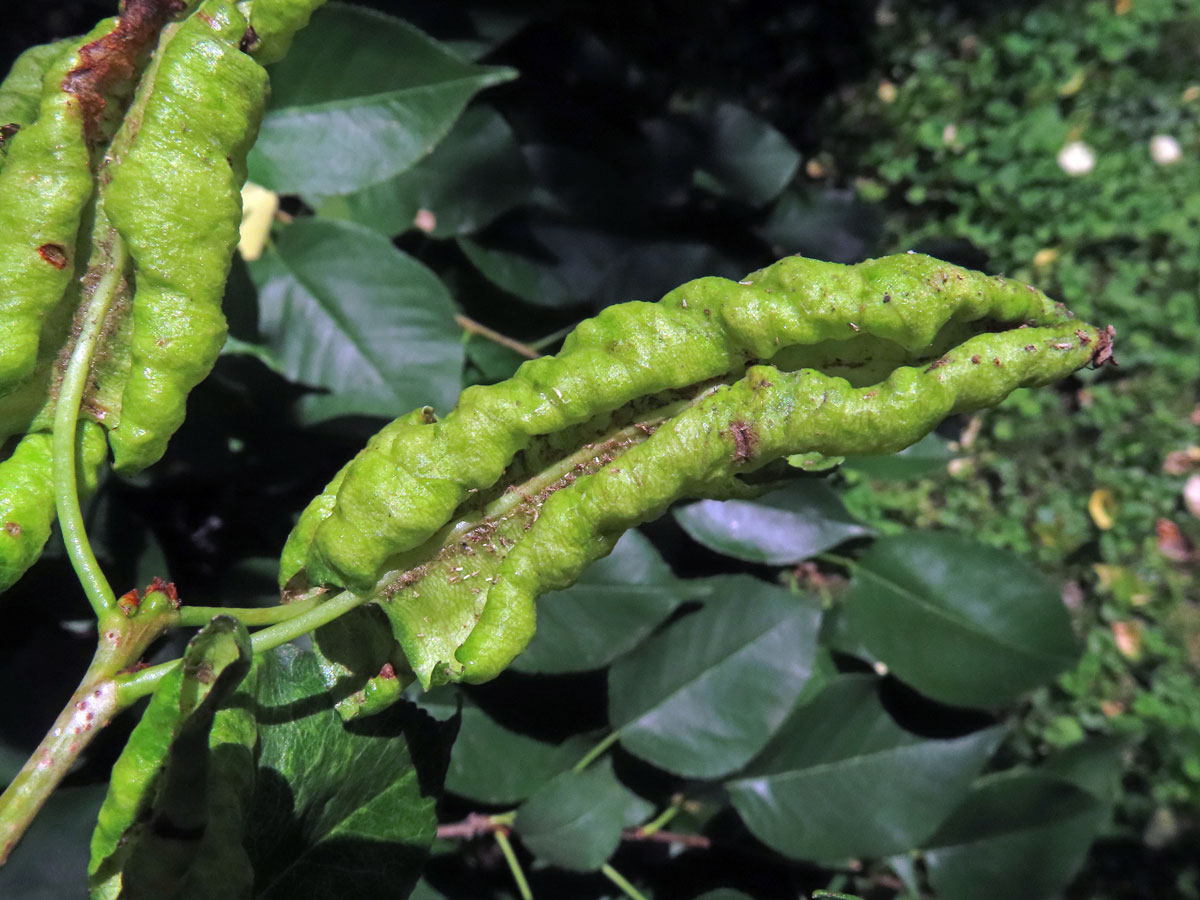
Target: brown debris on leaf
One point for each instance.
(1104, 344)
(745, 439)
(112, 59)
(1173, 545)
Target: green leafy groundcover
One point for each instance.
(1058, 142)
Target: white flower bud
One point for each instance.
(1077, 158)
(1165, 150)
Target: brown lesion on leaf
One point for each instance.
(55, 254)
(8, 130)
(203, 672)
(1104, 348)
(111, 60)
(938, 363)
(249, 41)
(12, 529)
(745, 440)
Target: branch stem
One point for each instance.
(66, 418)
(662, 819)
(514, 865)
(622, 882)
(470, 326)
(90, 708)
(593, 754)
(199, 616)
(311, 616)
(321, 614)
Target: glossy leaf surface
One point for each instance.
(841, 779)
(782, 528)
(961, 622)
(346, 311)
(333, 128)
(615, 604)
(704, 696)
(575, 821)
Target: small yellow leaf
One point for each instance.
(1044, 257)
(1112, 708)
(1072, 85)
(259, 206)
(1128, 638)
(1102, 508)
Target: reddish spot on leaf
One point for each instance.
(388, 671)
(55, 254)
(12, 529)
(7, 131)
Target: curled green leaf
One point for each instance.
(27, 496)
(21, 90)
(185, 702)
(459, 525)
(38, 227)
(273, 24)
(175, 200)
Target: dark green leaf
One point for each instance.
(650, 269)
(426, 891)
(472, 177)
(961, 622)
(1018, 836)
(614, 606)
(335, 802)
(534, 281)
(550, 264)
(841, 779)
(1093, 764)
(181, 710)
(575, 820)
(782, 528)
(822, 224)
(490, 763)
(929, 454)
(701, 698)
(745, 157)
(191, 846)
(346, 311)
(493, 362)
(333, 128)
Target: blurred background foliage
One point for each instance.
(644, 144)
